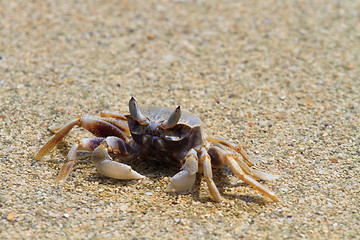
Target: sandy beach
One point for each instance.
(279, 77)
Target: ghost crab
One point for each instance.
(160, 133)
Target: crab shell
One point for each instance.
(173, 142)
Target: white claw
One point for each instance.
(117, 170)
(109, 168)
(169, 188)
(181, 182)
(185, 179)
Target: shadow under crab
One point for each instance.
(162, 134)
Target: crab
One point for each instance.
(160, 133)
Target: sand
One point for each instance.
(279, 77)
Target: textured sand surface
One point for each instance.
(279, 77)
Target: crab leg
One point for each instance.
(206, 163)
(100, 127)
(117, 119)
(88, 144)
(109, 114)
(257, 174)
(217, 153)
(95, 125)
(248, 179)
(60, 134)
(120, 125)
(185, 179)
(238, 148)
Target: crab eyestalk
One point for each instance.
(135, 112)
(173, 119)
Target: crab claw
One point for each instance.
(185, 179)
(109, 168)
(173, 119)
(136, 113)
(181, 182)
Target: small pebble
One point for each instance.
(10, 216)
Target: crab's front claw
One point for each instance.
(185, 179)
(109, 168)
(181, 182)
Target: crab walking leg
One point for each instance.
(238, 148)
(60, 134)
(100, 127)
(88, 144)
(116, 119)
(185, 179)
(121, 125)
(109, 114)
(218, 153)
(257, 174)
(249, 180)
(95, 125)
(54, 128)
(109, 168)
(206, 163)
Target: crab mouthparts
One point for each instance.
(153, 128)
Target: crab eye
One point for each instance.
(173, 119)
(135, 112)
